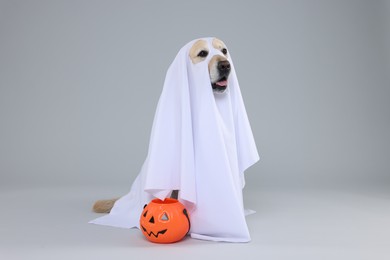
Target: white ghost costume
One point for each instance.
(201, 143)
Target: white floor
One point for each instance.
(51, 223)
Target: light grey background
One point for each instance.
(80, 80)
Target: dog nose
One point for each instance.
(224, 67)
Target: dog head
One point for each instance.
(218, 63)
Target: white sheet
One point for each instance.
(201, 144)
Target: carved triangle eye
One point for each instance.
(164, 217)
(146, 212)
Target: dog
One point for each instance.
(219, 69)
(219, 66)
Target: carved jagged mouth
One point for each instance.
(220, 85)
(152, 233)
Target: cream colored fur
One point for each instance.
(213, 69)
(218, 44)
(198, 46)
(104, 206)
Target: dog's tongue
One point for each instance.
(222, 83)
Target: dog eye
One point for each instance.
(203, 54)
(224, 51)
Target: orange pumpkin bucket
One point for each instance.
(164, 221)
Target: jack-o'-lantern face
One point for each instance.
(164, 221)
